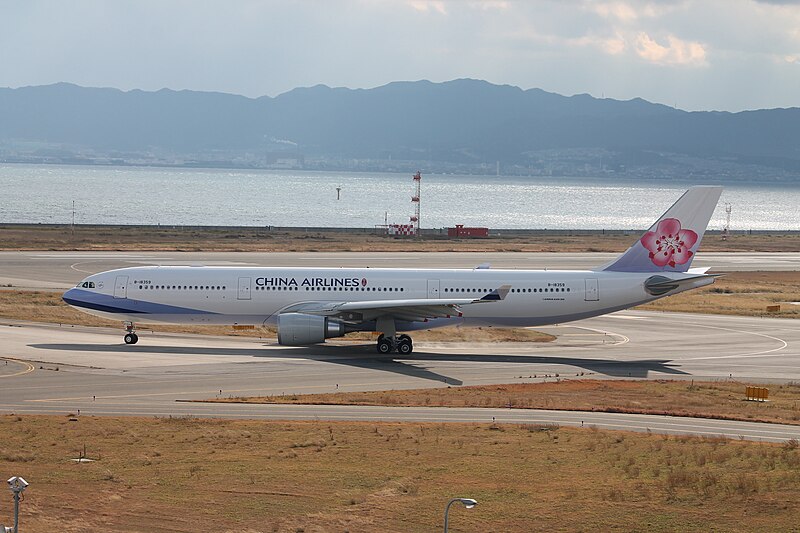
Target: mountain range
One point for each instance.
(462, 123)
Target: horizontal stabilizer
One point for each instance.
(660, 285)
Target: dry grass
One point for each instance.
(188, 475)
(739, 293)
(166, 238)
(723, 400)
(43, 306)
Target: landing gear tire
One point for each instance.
(131, 338)
(384, 345)
(404, 347)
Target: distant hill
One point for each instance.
(461, 122)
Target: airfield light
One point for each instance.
(469, 503)
(17, 485)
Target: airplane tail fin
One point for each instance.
(670, 244)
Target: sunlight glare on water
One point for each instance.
(145, 195)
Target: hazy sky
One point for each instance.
(711, 54)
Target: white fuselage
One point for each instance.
(234, 295)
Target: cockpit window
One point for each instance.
(87, 285)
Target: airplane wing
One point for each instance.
(411, 310)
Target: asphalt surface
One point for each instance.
(60, 270)
(63, 369)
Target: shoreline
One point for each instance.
(94, 237)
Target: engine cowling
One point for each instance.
(299, 329)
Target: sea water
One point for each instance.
(176, 196)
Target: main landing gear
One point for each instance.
(389, 340)
(401, 343)
(131, 337)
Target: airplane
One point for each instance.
(309, 305)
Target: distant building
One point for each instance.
(285, 160)
(460, 231)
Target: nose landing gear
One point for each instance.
(131, 337)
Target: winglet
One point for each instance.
(496, 295)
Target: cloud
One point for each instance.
(613, 45)
(720, 54)
(426, 6)
(780, 2)
(618, 10)
(676, 52)
(631, 11)
(486, 5)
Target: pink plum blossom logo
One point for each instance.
(669, 244)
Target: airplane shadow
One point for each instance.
(414, 365)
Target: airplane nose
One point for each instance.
(69, 296)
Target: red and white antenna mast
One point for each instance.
(415, 201)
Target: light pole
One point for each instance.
(469, 503)
(17, 486)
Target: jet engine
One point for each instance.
(299, 329)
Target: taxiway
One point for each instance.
(65, 369)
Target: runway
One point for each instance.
(61, 270)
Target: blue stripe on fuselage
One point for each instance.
(109, 304)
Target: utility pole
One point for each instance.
(726, 231)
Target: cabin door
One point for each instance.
(244, 289)
(433, 288)
(121, 287)
(592, 290)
